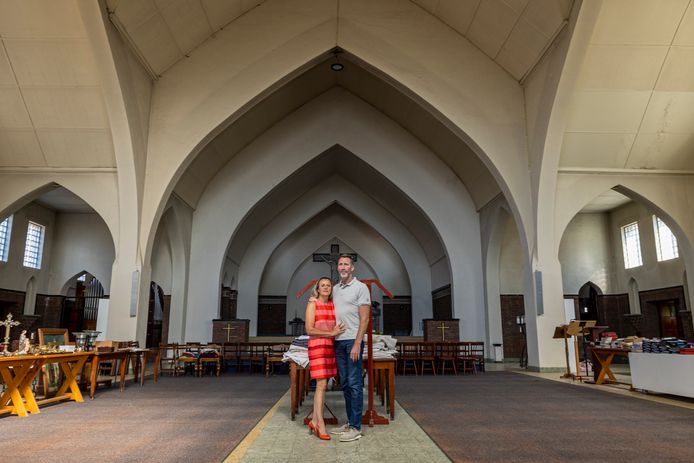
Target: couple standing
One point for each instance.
(336, 321)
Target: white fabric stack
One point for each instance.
(297, 352)
(383, 347)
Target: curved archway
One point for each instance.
(212, 123)
(357, 202)
(649, 201)
(337, 117)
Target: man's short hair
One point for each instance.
(347, 256)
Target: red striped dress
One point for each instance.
(321, 351)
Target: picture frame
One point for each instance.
(51, 376)
(57, 335)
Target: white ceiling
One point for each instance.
(633, 106)
(514, 33)
(62, 200)
(52, 111)
(606, 202)
(162, 32)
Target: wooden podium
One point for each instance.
(232, 331)
(574, 329)
(441, 330)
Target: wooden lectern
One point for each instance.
(574, 329)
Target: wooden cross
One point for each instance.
(229, 329)
(8, 323)
(443, 333)
(331, 259)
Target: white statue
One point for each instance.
(24, 343)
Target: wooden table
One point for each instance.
(140, 363)
(19, 372)
(384, 380)
(604, 357)
(298, 378)
(97, 357)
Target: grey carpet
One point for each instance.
(182, 419)
(502, 416)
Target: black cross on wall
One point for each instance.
(331, 259)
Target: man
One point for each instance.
(352, 308)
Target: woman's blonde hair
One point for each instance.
(314, 292)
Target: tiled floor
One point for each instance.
(278, 439)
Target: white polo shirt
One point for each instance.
(347, 299)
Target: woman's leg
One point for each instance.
(318, 401)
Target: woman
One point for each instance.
(320, 326)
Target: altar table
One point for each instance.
(19, 372)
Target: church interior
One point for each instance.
(514, 178)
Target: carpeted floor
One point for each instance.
(503, 416)
(181, 419)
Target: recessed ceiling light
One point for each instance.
(337, 67)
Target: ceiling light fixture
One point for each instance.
(336, 65)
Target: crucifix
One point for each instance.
(229, 329)
(331, 259)
(8, 323)
(443, 333)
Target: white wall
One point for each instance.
(586, 253)
(13, 274)
(81, 242)
(510, 260)
(652, 274)
(161, 260)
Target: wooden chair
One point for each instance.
(448, 354)
(273, 356)
(408, 355)
(465, 359)
(210, 356)
(168, 358)
(427, 354)
(187, 357)
(230, 355)
(477, 353)
(251, 354)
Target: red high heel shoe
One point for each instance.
(314, 429)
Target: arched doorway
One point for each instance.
(156, 315)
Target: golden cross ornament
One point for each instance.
(229, 329)
(8, 323)
(443, 333)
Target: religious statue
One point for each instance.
(24, 346)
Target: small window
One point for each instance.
(631, 245)
(33, 252)
(665, 241)
(5, 231)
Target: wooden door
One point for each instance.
(669, 323)
(397, 317)
(272, 316)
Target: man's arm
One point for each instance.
(364, 314)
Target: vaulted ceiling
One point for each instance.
(633, 106)
(52, 111)
(514, 33)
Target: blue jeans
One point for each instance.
(351, 379)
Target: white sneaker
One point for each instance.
(351, 435)
(341, 430)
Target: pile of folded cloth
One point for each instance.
(383, 347)
(298, 352)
